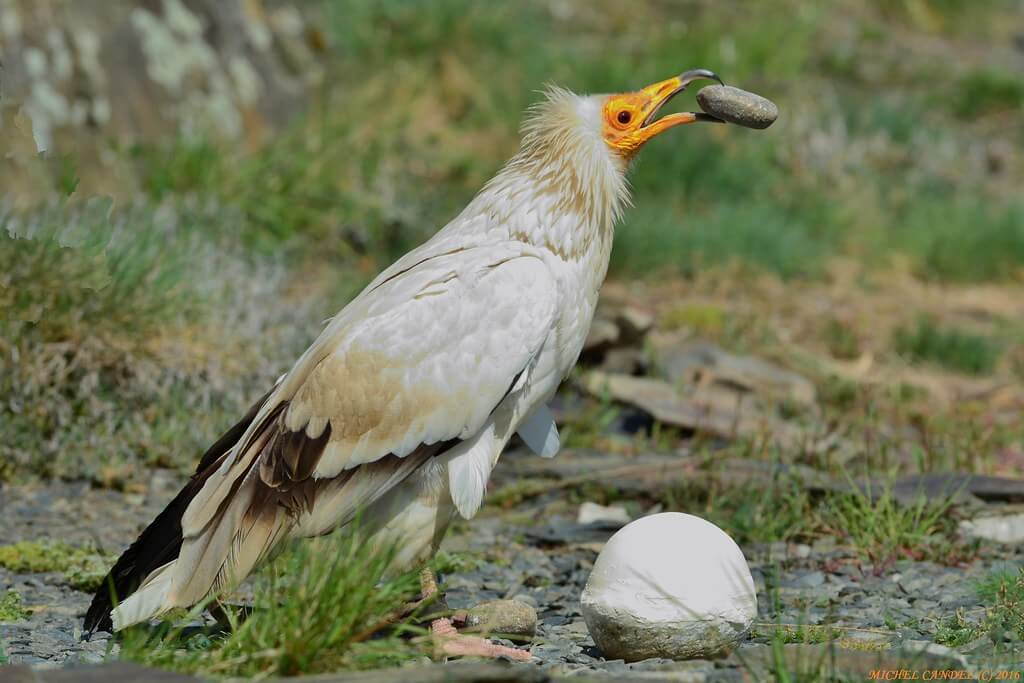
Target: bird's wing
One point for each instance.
(420, 358)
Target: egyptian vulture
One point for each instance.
(401, 407)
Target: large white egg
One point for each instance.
(669, 585)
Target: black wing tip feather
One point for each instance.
(157, 545)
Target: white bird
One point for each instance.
(401, 407)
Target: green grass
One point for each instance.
(960, 240)
(988, 91)
(319, 608)
(777, 510)
(83, 567)
(841, 340)
(111, 329)
(11, 609)
(807, 634)
(882, 529)
(878, 528)
(1004, 592)
(1003, 622)
(949, 348)
(657, 238)
(956, 631)
(411, 126)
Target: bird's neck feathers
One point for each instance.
(565, 188)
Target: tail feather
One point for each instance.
(148, 601)
(204, 558)
(160, 543)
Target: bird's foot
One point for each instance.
(448, 642)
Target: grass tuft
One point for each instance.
(956, 630)
(11, 609)
(806, 634)
(779, 510)
(1003, 622)
(988, 91)
(1004, 618)
(319, 608)
(949, 348)
(883, 529)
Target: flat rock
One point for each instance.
(1002, 529)
(986, 488)
(702, 363)
(613, 516)
(714, 414)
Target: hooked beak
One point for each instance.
(659, 94)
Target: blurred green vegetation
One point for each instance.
(130, 335)
(881, 151)
(950, 348)
(11, 610)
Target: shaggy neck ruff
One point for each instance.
(565, 188)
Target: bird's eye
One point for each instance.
(624, 117)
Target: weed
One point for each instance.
(778, 510)
(764, 235)
(947, 347)
(107, 351)
(807, 634)
(956, 630)
(960, 240)
(987, 91)
(587, 426)
(11, 609)
(1004, 617)
(882, 529)
(512, 494)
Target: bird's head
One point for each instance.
(585, 128)
(578, 147)
(628, 120)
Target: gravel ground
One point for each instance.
(538, 554)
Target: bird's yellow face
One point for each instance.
(628, 118)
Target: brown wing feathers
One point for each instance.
(291, 456)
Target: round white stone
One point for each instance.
(669, 585)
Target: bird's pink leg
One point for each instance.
(448, 642)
